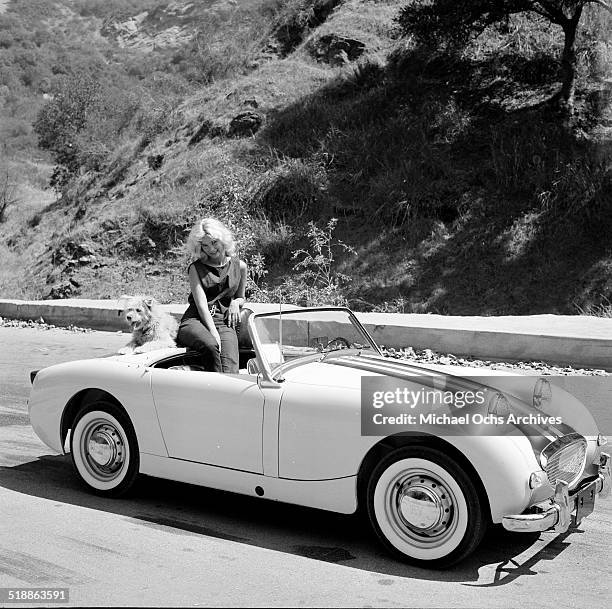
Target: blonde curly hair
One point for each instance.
(215, 230)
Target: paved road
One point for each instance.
(172, 544)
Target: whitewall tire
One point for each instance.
(424, 507)
(104, 449)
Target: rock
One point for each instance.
(245, 124)
(206, 129)
(83, 249)
(340, 59)
(73, 253)
(61, 291)
(200, 134)
(336, 50)
(155, 161)
(272, 48)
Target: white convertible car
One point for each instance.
(306, 423)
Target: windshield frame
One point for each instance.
(270, 372)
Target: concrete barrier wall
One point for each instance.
(575, 340)
(98, 315)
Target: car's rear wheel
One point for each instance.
(104, 449)
(424, 507)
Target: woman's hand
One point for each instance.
(232, 315)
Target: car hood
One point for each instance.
(518, 387)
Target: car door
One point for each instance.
(210, 417)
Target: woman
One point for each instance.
(217, 279)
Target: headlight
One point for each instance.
(601, 440)
(542, 394)
(498, 405)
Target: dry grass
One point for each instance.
(459, 192)
(601, 309)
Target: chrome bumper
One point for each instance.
(557, 514)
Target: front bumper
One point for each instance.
(557, 512)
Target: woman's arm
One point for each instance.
(199, 296)
(233, 313)
(240, 292)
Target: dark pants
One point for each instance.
(193, 334)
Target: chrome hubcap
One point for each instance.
(421, 508)
(423, 505)
(103, 449)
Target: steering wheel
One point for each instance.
(338, 343)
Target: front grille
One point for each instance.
(564, 459)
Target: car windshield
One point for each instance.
(284, 336)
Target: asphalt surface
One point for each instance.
(173, 544)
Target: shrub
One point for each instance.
(318, 281)
(227, 43)
(106, 8)
(161, 228)
(163, 219)
(273, 240)
(62, 118)
(154, 116)
(295, 18)
(601, 309)
(291, 190)
(82, 122)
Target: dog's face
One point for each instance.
(137, 313)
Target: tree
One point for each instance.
(8, 190)
(62, 118)
(454, 22)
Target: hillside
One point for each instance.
(455, 186)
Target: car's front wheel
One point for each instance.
(104, 449)
(423, 506)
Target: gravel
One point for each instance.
(432, 357)
(39, 324)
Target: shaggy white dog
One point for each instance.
(152, 328)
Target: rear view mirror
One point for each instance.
(252, 367)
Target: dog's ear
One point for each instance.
(149, 302)
(122, 302)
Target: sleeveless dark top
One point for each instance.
(215, 280)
